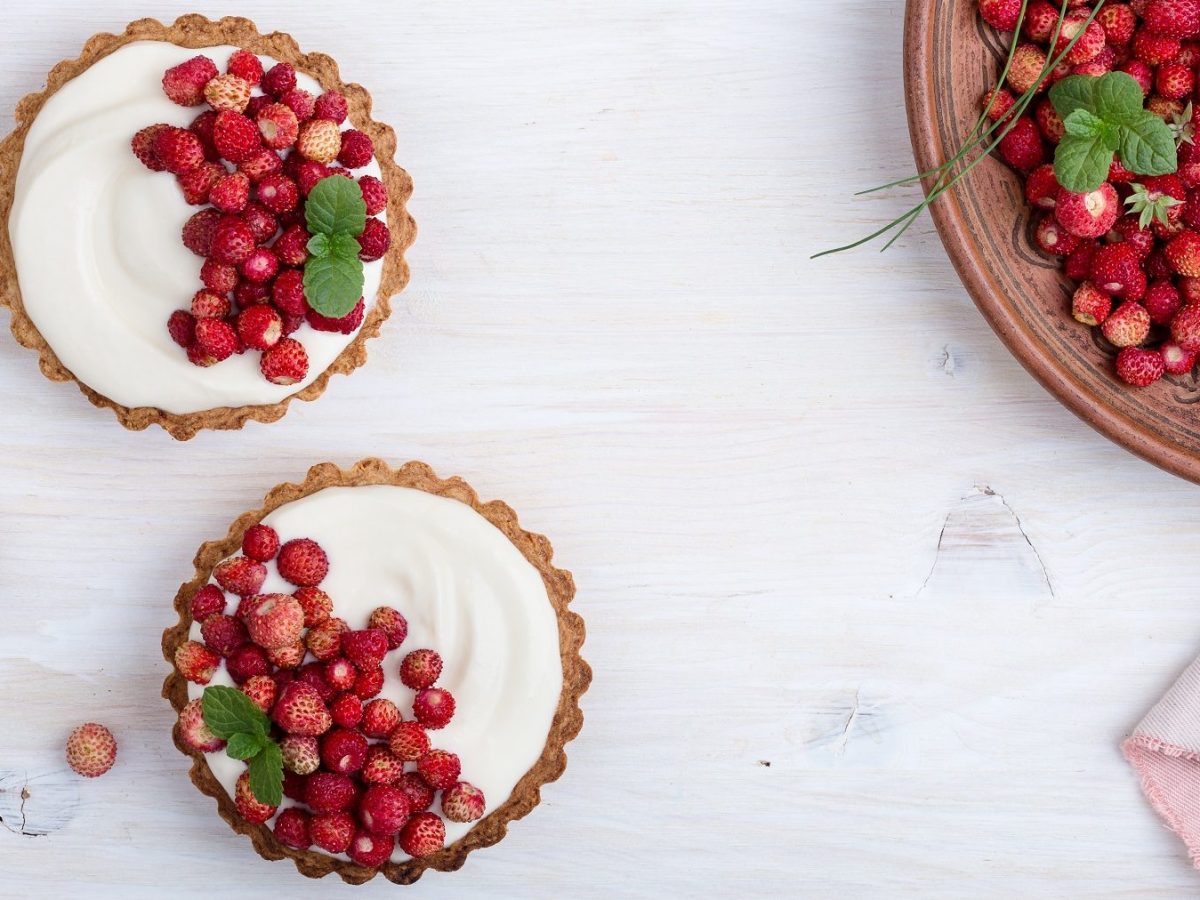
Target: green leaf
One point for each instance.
(335, 205)
(318, 245)
(344, 245)
(244, 746)
(1116, 97)
(1082, 123)
(333, 284)
(1072, 93)
(1081, 163)
(1147, 145)
(227, 711)
(266, 775)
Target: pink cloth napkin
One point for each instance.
(1165, 750)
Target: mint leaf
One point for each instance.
(335, 205)
(1082, 123)
(244, 746)
(1115, 97)
(333, 284)
(228, 712)
(344, 245)
(266, 775)
(318, 245)
(1147, 145)
(1072, 93)
(1081, 163)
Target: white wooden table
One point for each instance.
(868, 610)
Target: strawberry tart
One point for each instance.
(375, 672)
(199, 223)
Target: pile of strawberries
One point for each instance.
(1138, 278)
(250, 160)
(366, 776)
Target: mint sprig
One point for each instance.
(1102, 117)
(246, 730)
(335, 214)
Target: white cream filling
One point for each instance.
(96, 239)
(466, 592)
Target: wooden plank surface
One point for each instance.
(818, 517)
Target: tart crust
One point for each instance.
(195, 31)
(568, 718)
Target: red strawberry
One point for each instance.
(313, 674)
(1028, 61)
(240, 575)
(278, 193)
(1079, 263)
(1100, 64)
(194, 731)
(369, 849)
(463, 802)
(301, 753)
(316, 603)
(1128, 230)
(331, 105)
(251, 293)
(178, 150)
(1139, 72)
(347, 324)
(1041, 19)
(346, 709)
(199, 230)
(259, 165)
(366, 648)
(424, 833)
(288, 291)
(381, 766)
(1162, 302)
(1090, 305)
(275, 620)
(1183, 253)
(292, 249)
(230, 192)
(1139, 367)
(1022, 146)
(233, 242)
(245, 65)
(262, 690)
(1154, 49)
(1116, 269)
(260, 266)
(324, 640)
(207, 305)
(409, 741)
(143, 147)
(1175, 18)
(260, 542)
(375, 240)
(218, 277)
(420, 795)
(1118, 21)
(375, 194)
(300, 710)
(196, 662)
(259, 327)
(223, 634)
(262, 222)
(434, 707)
(343, 751)
(202, 127)
(1088, 37)
(279, 79)
(184, 83)
(1000, 14)
(1174, 81)
(182, 327)
(300, 102)
(327, 792)
(1189, 289)
(368, 683)
(1051, 237)
(208, 601)
(380, 718)
(1128, 325)
(247, 661)
(391, 623)
(333, 831)
(289, 656)
(1088, 215)
(303, 563)
(420, 669)
(439, 768)
(278, 125)
(291, 828)
(383, 809)
(1185, 327)
(1041, 187)
(340, 674)
(236, 137)
(250, 807)
(197, 185)
(91, 750)
(1176, 360)
(357, 149)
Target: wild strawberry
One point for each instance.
(423, 834)
(303, 563)
(1049, 123)
(223, 634)
(259, 165)
(260, 542)
(208, 601)
(343, 751)
(1088, 215)
(259, 327)
(381, 766)
(1139, 367)
(380, 718)
(1127, 230)
(289, 656)
(1177, 18)
(1189, 289)
(288, 292)
(1100, 64)
(327, 792)
(324, 640)
(230, 192)
(207, 305)
(1041, 19)
(1079, 263)
(462, 802)
(1028, 61)
(301, 753)
(1174, 81)
(197, 185)
(291, 323)
(1176, 360)
(370, 849)
(1118, 174)
(383, 809)
(279, 79)
(198, 231)
(433, 707)
(357, 149)
(202, 127)
(196, 662)
(313, 674)
(248, 806)
(300, 102)
(1183, 253)
(262, 690)
(261, 221)
(1154, 49)
(1162, 302)
(300, 710)
(1051, 237)
(143, 147)
(420, 795)
(251, 293)
(181, 325)
(240, 575)
(375, 193)
(260, 266)
(368, 683)
(340, 673)
(1118, 21)
(391, 623)
(346, 709)
(178, 150)
(366, 648)
(1000, 14)
(1041, 187)
(218, 277)
(332, 832)
(409, 741)
(1139, 72)
(291, 828)
(439, 768)
(194, 731)
(347, 324)
(275, 620)
(1022, 146)
(1185, 327)
(236, 137)
(292, 248)
(184, 83)
(1088, 37)
(277, 193)
(91, 750)
(232, 242)
(247, 661)
(1116, 269)
(331, 105)
(420, 669)
(308, 173)
(227, 92)
(1090, 305)
(245, 65)
(319, 140)
(1127, 326)
(317, 605)
(278, 126)
(1165, 109)
(375, 240)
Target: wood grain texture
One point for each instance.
(748, 460)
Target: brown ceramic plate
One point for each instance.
(950, 58)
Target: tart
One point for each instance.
(93, 262)
(416, 559)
